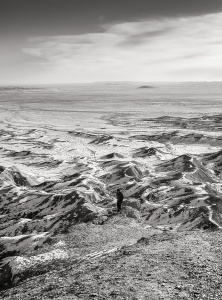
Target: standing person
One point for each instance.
(119, 196)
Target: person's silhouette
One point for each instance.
(119, 196)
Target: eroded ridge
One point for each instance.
(52, 181)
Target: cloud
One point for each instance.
(141, 38)
(154, 49)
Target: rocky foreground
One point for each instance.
(125, 261)
(60, 234)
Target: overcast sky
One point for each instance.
(65, 41)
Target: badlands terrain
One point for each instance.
(64, 151)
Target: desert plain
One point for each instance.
(65, 150)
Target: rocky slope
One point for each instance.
(52, 180)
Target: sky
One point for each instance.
(68, 41)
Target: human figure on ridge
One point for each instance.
(119, 196)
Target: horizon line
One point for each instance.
(107, 81)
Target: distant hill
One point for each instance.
(146, 87)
